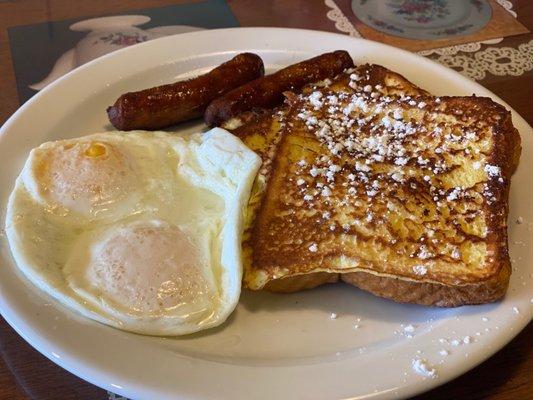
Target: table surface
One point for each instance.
(26, 374)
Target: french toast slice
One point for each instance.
(261, 131)
(398, 192)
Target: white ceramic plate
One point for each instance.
(273, 346)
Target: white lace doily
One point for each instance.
(495, 60)
(342, 23)
(499, 61)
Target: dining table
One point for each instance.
(502, 64)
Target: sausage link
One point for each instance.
(166, 105)
(267, 92)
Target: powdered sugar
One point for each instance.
(492, 170)
(420, 270)
(422, 367)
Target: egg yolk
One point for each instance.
(96, 150)
(150, 270)
(85, 177)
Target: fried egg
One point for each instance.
(140, 231)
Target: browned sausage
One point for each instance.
(267, 92)
(167, 105)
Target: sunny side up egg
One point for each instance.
(140, 231)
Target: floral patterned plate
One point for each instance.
(424, 19)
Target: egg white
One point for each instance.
(196, 185)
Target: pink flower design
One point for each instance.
(421, 11)
(120, 39)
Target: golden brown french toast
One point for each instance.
(260, 130)
(368, 176)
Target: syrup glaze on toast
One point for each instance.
(402, 193)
